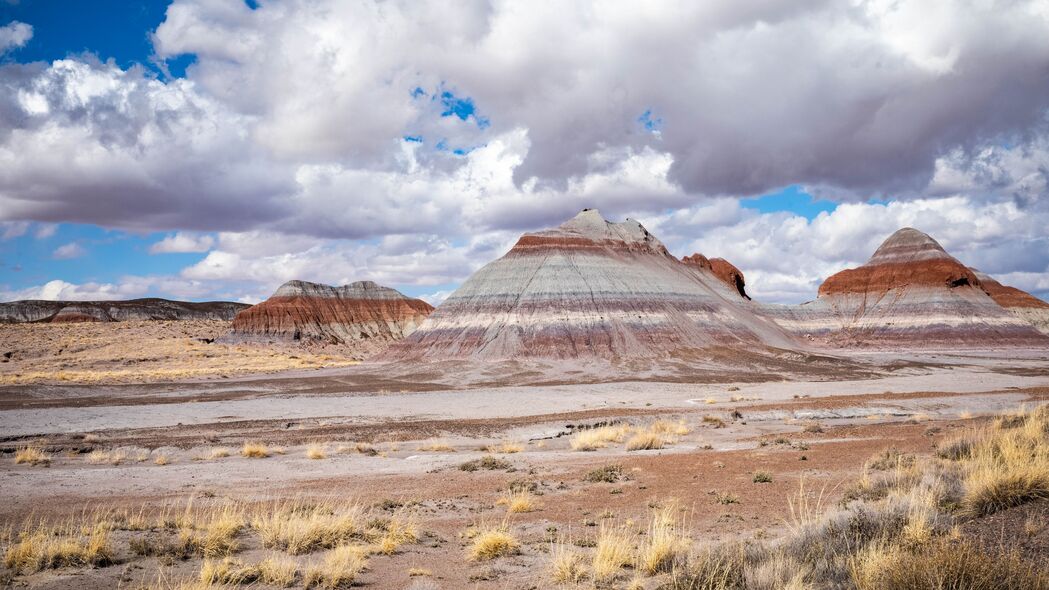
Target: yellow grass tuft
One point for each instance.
(665, 545)
(228, 571)
(613, 552)
(278, 570)
(597, 438)
(40, 546)
(316, 452)
(518, 501)
(100, 457)
(255, 450)
(678, 428)
(298, 527)
(506, 448)
(414, 572)
(567, 566)
(162, 460)
(339, 569)
(493, 542)
(218, 453)
(32, 456)
(438, 446)
(643, 441)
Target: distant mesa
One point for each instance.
(1020, 303)
(116, 311)
(722, 269)
(590, 288)
(363, 317)
(911, 293)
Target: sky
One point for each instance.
(207, 149)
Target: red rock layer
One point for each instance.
(589, 288)
(353, 315)
(722, 269)
(1009, 297)
(911, 294)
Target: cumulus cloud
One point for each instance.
(67, 251)
(785, 257)
(14, 35)
(181, 242)
(410, 143)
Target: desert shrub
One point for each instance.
(255, 450)
(606, 474)
(487, 462)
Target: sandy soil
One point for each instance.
(139, 351)
(909, 403)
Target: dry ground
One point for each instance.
(139, 351)
(426, 471)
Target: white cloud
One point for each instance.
(785, 256)
(45, 230)
(67, 251)
(180, 242)
(14, 35)
(283, 154)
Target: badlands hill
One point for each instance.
(361, 316)
(590, 288)
(911, 294)
(1020, 303)
(116, 311)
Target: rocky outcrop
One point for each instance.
(361, 316)
(589, 289)
(910, 294)
(1020, 303)
(722, 269)
(117, 311)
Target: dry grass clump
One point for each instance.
(598, 438)
(567, 565)
(228, 571)
(678, 428)
(361, 448)
(339, 568)
(890, 459)
(714, 421)
(493, 542)
(279, 571)
(255, 450)
(299, 527)
(644, 441)
(605, 474)
(665, 545)
(487, 462)
(438, 446)
(518, 501)
(316, 451)
(613, 552)
(505, 447)
(41, 546)
(100, 457)
(161, 460)
(218, 453)
(1009, 464)
(211, 532)
(943, 565)
(32, 456)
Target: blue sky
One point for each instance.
(112, 29)
(398, 153)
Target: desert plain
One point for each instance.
(234, 475)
